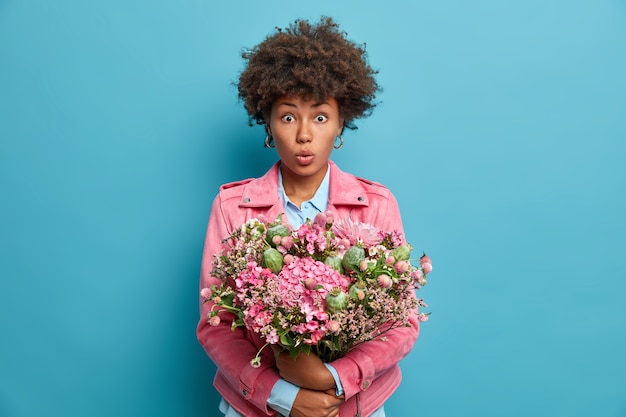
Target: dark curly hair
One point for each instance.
(314, 61)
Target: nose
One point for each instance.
(304, 134)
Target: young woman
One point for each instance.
(306, 84)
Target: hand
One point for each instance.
(310, 403)
(305, 371)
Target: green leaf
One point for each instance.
(286, 340)
(329, 344)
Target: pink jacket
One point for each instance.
(370, 369)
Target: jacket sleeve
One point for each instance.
(231, 350)
(361, 366)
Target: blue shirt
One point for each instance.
(308, 209)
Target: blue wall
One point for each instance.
(501, 131)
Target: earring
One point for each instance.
(340, 144)
(269, 142)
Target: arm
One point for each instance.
(289, 399)
(231, 351)
(311, 403)
(359, 367)
(306, 371)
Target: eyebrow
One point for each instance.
(291, 104)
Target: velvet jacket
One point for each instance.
(370, 369)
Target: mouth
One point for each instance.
(304, 158)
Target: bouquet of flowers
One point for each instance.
(323, 288)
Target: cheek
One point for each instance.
(280, 138)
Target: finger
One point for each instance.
(333, 392)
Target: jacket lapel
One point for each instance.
(346, 189)
(261, 192)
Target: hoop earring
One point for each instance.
(340, 144)
(269, 142)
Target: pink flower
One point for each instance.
(417, 276)
(356, 231)
(427, 267)
(316, 336)
(310, 283)
(333, 326)
(396, 238)
(322, 316)
(384, 281)
(206, 293)
(256, 362)
(214, 321)
(312, 325)
(363, 265)
(401, 267)
(292, 277)
(287, 242)
(272, 338)
(344, 243)
(320, 219)
(310, 247)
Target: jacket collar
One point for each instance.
(345, 189)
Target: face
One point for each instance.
(304, 132)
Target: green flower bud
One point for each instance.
(277, 230)
(335, 263)
(352, 258)
(402, 253)
(273, 260)
(357, 291)
(336, 300)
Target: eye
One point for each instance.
(288, 118)
(321, 118)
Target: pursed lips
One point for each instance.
(304, 157)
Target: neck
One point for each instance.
(300, 189)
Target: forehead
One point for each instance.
(301, 102)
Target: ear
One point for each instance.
(340, 129)
(266, 121)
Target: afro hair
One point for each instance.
(313, 61)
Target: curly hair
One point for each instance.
(313, 61)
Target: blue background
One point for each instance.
(501, 131)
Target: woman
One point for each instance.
(306, 84)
